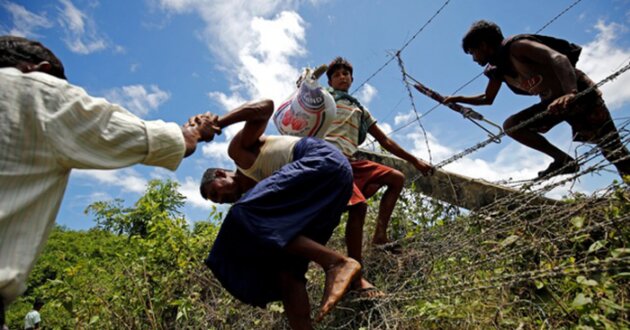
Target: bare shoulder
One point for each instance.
(527, 47)
(244, 155)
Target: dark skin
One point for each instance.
(229, 186)
(529, 57)
(341, 79)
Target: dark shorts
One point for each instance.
(305, 197)
(588, 117)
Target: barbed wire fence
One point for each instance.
(512, 256)
(512, 251)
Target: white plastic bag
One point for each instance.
(309, 110)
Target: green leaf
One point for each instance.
(539, 284)
(94, 319)
(577, 222)
(596, 246)
(509, 240)
(620, 252)
(581, 300)
(584, 281)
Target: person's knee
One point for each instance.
(356, 214)
(396, 180)
(508, 124)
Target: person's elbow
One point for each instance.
(487, 100)
(266, 107)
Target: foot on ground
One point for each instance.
(338, 279)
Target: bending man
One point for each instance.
(288, 196)
(544, 66)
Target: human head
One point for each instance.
(339, 73)
(38, 304)
(220, 186)
(481, 41)
(28, 55)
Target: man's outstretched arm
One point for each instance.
(487, 98)
(393, 147)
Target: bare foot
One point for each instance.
(380, 241)
(360, 283)
(379, 238)
(338, 279)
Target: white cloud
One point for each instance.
(137, 99)
(602, 57)
(25, 22)
(190, 189)
(255, 42)
(366, 94)
(128, 179)
(217, 152)
(80, 29)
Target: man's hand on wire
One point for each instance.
(423, 167)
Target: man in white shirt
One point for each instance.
(32, 319)
(48, 127)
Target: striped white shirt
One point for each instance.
(47, 128)
(343, 133)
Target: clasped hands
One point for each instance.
(206, 126)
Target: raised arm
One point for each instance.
(255, 114)
(397, 150)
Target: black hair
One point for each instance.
(16, 50)
(336, 64)
(208, 176)
(482, 31)
(38, 303)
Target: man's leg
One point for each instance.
(295, 301)
(354, 230)
(613, 149)
(534, 140)
(354, 243)
(394, 181)
(530, 137)
(340, 270)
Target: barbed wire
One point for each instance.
(473, 79)
(391, 58)
(530, 120)
(397, 54)
(517, 245)
(401, 65)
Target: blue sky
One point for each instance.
(171, 59)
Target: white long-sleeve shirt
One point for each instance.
(47, 128)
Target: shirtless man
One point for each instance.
(530, 66)
(288, 196)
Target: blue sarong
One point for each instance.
(305, 197)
